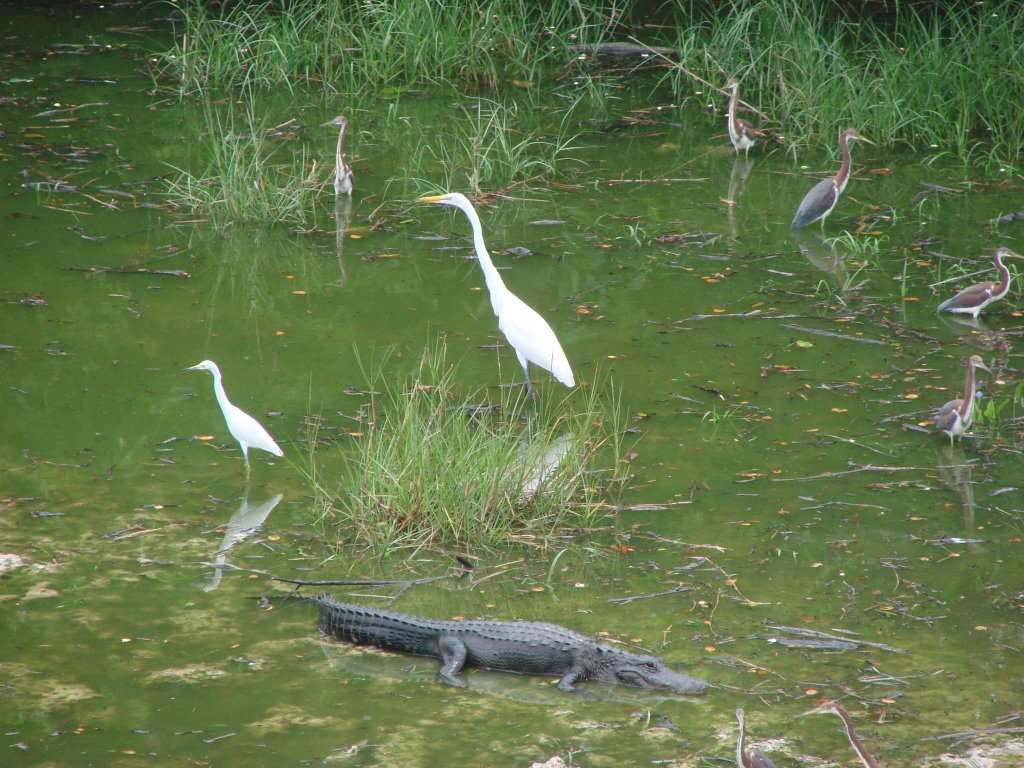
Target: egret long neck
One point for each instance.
(844, 167)
(495, 285)
(1004, 277)
(218, 389)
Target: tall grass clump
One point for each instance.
(490, 151)
(362, 46)
(435, 466)
(244, 177)
(947, 77)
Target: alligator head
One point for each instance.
(646, 672)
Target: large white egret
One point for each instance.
(819, 202)
(343, 175)
(528, 333)
(244, 428)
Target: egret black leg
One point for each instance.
(528, 385)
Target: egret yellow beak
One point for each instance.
(430, 199)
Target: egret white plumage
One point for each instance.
(741, 133)
(955, 417)
(819, 202)
(528, 333)
(973, 299)
(343, 175)
(244, 428)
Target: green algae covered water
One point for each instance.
(793, 530)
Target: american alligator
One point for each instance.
(526, 647)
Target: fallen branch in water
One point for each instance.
(826, 475)
(129, 271)
(815, 634)
(630, 599)
(833, 334)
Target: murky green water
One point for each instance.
(120, 646)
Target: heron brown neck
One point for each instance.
(1004, 276)
(741, 750)
(968, 404)
(851, 734)
(844, 167)
(341, 140)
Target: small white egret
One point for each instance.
(244, 428)
(343, 175)
(528, 333)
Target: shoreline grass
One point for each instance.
(943, 79)
(437, 467)
(243, 180)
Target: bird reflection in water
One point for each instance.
(822, 254)
(246, 521)
(956, 469)
(342, 220)
(741, 168)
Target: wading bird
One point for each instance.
(830, 707)
(753, 758)
(343, 176)
(819, 202)
(955, 417)
(971, 300)
(741, 133)
(244, 428)
(528, 333)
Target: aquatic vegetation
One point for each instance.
(489, 151)
(350, 47)
(933, 78)
(435, 465)
(242, 179)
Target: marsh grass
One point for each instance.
(245, 178)
(945, 78)
(437, 466)
(358, 46)
(491, 150)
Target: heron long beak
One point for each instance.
(193, 368)
(983, 367)
(866, 141)
(430, 199)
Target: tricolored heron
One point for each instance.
(831, 707)
(745, 758)
(343, 175)
(244, 428)
(741, 133)
(527, 332)
(970, 301)
(819, 202)
(955, 417)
